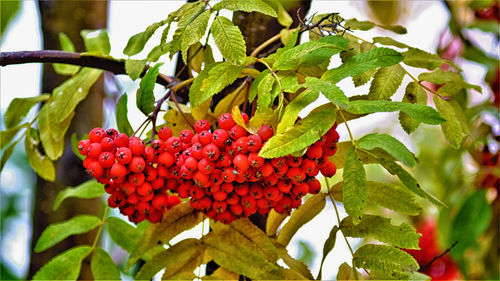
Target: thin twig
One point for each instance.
(437, 257)
(154, 115)
(174, 99)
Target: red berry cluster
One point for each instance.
(126, 166)
(220, 171)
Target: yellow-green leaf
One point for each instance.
(274, 220)
(96, 41)
(386, 82)
(354, 189)
(137, 42)
(327, 247)
(87, 190)
(194, 32)
(291, 112)
(65, 266)
(418, 58)
(390, 144)
(414, 94)
(145, 98)
(229, 40)
(103, 267)
(246, 6)
(134, 68)
(66, 45)
(39, 162)
(452, 129)
(123, 234)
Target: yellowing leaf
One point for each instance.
(354, 189)
(229, 40)
(246, 6)
(452, 129)
(385, 82)
(194, 32)
(39, 162)
(274, 220)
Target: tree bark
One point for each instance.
(69, 17)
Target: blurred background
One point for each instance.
(467, 179)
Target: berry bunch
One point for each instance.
(126, 166)
(220, 171)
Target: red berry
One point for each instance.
(144, 189)
(137, 164)
(121, 140)
(329, 169)
(111, 133)
(314, 185)
(136, 145)
(220, 195)
(229, 174)
(308, 166)
(226, 121)
(219, 206)
(97, 134)
(225, 160)
(107, 144)
(165, 133)
(106, 159)
(254, 143)
(265, 132)
(300, 189)
(241, 145)
(314, 152)
(211, 152)
(241, 189)
(248, 202)
(94, 150)
(220, 137)
(173, 144)
(201, 179)
(118, 171)
(296, 174)
(240, 161)
(191, 163)
(206, 166)
(186, 136)
(237, 132)
(256, 191)
(284, 186)
(160, 201)
(237, 209)
(201, 125)
(255, 160)
(267, 169)
(232, 198)
(166, 159)
(136, 179)
(196, 150)
(83, 147)
(294, 161)
(245, 117)
(95, 169)
(123, 155)
(155, 216)
(205, 137)
(173, 200)
(144, 208)
(117, 199)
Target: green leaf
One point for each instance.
(422, 113)
(228, 253)
(74, 146)
(310, 53)
(145, 98)
(291, 112)
(96, 41)
(66, 45)
(185, 19)
(87, 190)
(439, 76)
(359, 64)
(385, 262)
(134, 68)
(304, 133)
(158, 51)
(194, 32)
(385, 82)
(414, 94)
(329, 90)
(485, 25)
(359, 25)
(254, 87)
(68, 95)
(327, 248)
(388, 41)
(246, 6)
(137, 42)
(398, 29)
(418, 58)
(103, 267)
(284, 17)
(39, 162)
(7, 135)
(49, 130)
(471, 221)
(311, 208)
(18, 109)
(393, 197)
(65, 266)
(408, 181)
(123, 234)
(212, 80)
(299, 267)
(185, 255)
(121, 116)
(265, 92)
(452, 129)
(7, 153)
(229, 40)
(57, 232)
(389, 144)
(380, 228)
(341, 155)
(346, 272)
(361, 79)
(176, 220)
(354, 189)
(9, 10)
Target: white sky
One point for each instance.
(428, 19)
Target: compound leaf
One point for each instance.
(385, 82)
(229, 40)
(354, 189)
(452, 129)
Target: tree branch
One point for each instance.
(117, 66)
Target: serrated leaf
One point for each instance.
(408, 181)
(274, 220)
(439, 76)
(246, 6)
(103, 267)
(265, 92)
(195, 56)
(18, 109)
(227, 253)
(96, 41)
(359, 25)
(361, 79)
(57, 232)
(312, 207)
(385, 82)
(68, 95)
(184, 256)
(393, 197)
(53, 146)
(66, 45)
(366, 158)
(122, 122)
(329, 90)
(327, 247)
(254, 88)
(300, 269)
(310, 53)
(470, 222)
(418, 58)
(422, 113)
(123, 234)
(145, 94)
(39, 162)
(416, 95)
(452, 129)
(292, 110)
(175, 220)
(137, 42)
(304, 133)
(389, 144)
(87, 190)
(65, 266)
(208, 56)
(185, 19)
(229, 40)
(359, 64)
(388, 41)
(385, 262)
(380, 228)
(194, 32)
(354, 189)
(212, 80)
(134, 68)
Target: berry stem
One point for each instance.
(154, 115)
(174, 99)
(99, 230)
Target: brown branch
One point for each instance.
(117, 66)
(437, 257)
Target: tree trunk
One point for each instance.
(69, 17)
